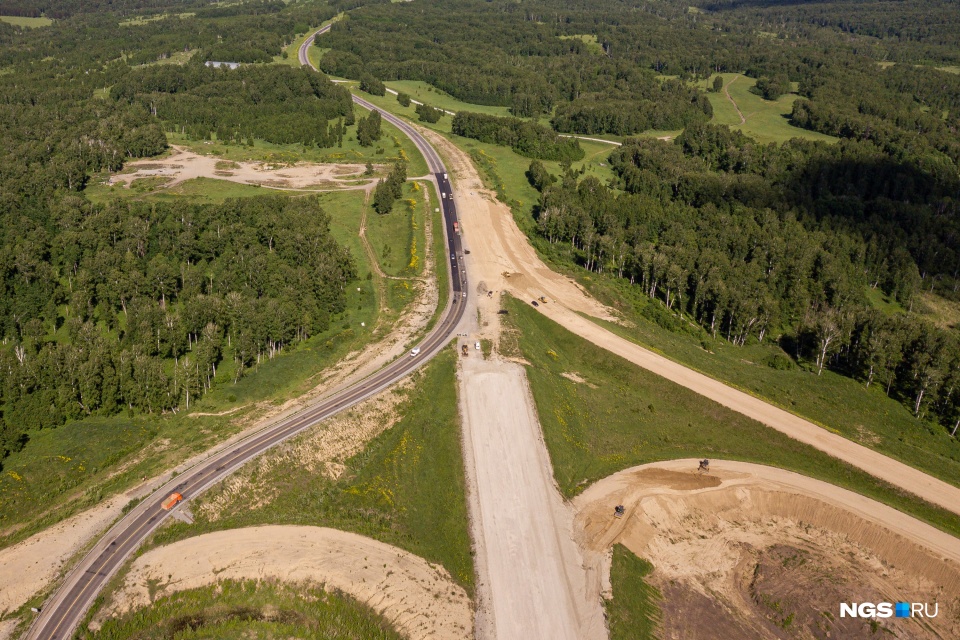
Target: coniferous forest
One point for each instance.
(132, 306)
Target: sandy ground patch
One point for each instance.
(534, 572)
(739, 550)
(418, 597)
(184, 165)
(6, 629)
(501, 258)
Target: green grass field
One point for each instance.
(31, 23)
(249, 609)
(838, 403)
(625, 416)
(765, 119)
(428, 94)
(64, 470)
(589, 39)
(632, 613)
(398, 237)
(405, 488)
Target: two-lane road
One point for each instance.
(65, 610)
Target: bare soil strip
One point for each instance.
(728, 544)
(537, 584)
(184, 165)
(418, 597)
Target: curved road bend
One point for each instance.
(66, 609)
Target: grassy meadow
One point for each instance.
(766, 120)
(250, 609)
(836, 402)
(624, 416)
(30, 23)
(406, 487)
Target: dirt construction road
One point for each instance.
(416, 596)
(534, 569)
(503, 259)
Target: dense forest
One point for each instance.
(135, 305)
(128, 306)
(725, 237)
(529, 139)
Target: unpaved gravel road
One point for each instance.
(534, 569)
(502, 257)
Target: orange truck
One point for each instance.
(172, 501)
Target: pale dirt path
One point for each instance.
(418, 597)
(531, 582)
(498, 247)
(184, 165)
(706, 532)
(877, 464)
(732, 101)
(536, 581)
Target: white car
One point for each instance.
(476, 346)
(415, 352)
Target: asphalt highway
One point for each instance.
(64, 611)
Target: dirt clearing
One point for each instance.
(753, 551)
(416, 596)
(185, 165)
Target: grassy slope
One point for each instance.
(765, 120)
(250, 609)
(63, 470)
(632, 613)
(838, 403)
(405, 488)
(627, 416)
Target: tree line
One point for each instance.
(144, 307)
(282, 105)
(755, 243)
(527, 138)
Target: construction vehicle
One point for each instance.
(619, 510)
(542, 299)
(173, 500)
(464, 350)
